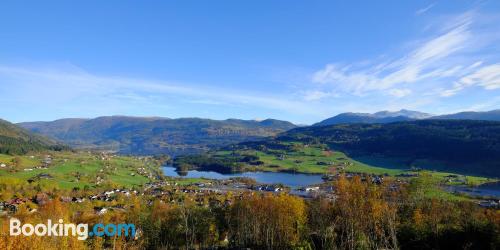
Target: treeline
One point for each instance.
(14, 146)
(15, 140)
(221, 164)
(362, 216)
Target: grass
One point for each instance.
(438, 193)
(317, 160)
(76, 170)
(314, 160)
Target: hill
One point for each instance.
(445, 147)
(155, 135)
(406, 115)
(16, 140)
(459, 145)
(493, 115)
(378, 117)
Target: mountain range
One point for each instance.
(405, 115)
(159, 135)
(155, 135)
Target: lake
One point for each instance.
(485, 190)
(288, 179)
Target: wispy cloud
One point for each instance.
(423, 62)
(425, 9)
(428, 71)
(487, 77)
(58, 88)
(399, 92)
(316, 95)
(452, 54)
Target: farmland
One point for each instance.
(68, 170)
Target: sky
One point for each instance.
(301, 61)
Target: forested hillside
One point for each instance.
(15, 140)
(156, 135)
(461, 145)
(406, 115)
(493, 115)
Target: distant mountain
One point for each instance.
(379, 117)
(405, 115)
(456, 145)
(16, 140)
(493, 115)
(155, 135)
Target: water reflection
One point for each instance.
(288, 179)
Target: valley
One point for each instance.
(203, 181)
(154, 135)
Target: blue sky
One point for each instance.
(301, 61)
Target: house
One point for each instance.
(14, 203)
(41, 199)
(377, 180)
(66, 199)
(44, 176)
(47, 160)
(101, 211)
(489, 203)
(312, 189)
(78, 200)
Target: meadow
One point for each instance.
(318, 159)
(68, 170)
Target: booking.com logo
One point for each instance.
(69, 229)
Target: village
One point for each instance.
(172, 190)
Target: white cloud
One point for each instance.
(476, 64)
(316, 95)
(487, 77)
(425, 9)
(451, 57)
(63, 88)
(399, 92)
(421, 63)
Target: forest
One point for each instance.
(361, 216)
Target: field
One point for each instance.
(67, 170)
(316, 159)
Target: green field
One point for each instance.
(69, 170)
(317, 159)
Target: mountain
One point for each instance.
(493, 115)
(467, 146)
(403, 112)
(378, 117)
(405, 115)
(155, 135)
(16, 140)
